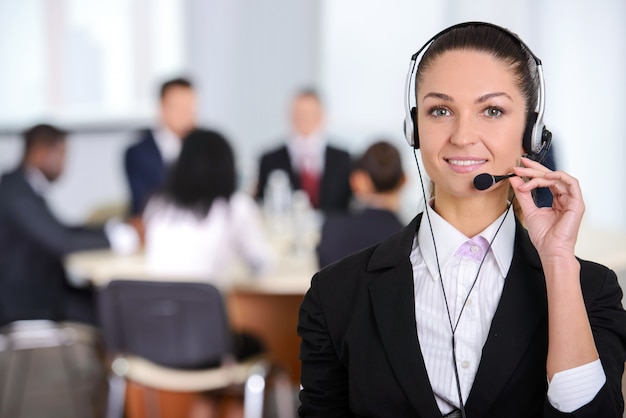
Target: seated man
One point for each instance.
(33, 284)
(376, 181)
(311, 163)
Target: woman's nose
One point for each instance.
(464, 132)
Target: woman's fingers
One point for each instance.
(524, 197)
(560, 183)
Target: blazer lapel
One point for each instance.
(391, 295)
(524, 289)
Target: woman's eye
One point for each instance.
(439, 111)
(493, 112)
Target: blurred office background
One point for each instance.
(94, 67)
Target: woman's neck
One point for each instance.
(470, 215)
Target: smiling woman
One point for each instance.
(471, 310)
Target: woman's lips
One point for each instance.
(464, 165)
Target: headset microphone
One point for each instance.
(484, 181)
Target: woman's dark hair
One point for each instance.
(205, 171)
(501, 44)
(382, 163)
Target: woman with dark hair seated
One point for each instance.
(200, 224)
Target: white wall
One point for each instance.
(248, 58)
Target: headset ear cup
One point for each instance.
(416, 138)
(407, 127)
(527, 141)
(410, 129)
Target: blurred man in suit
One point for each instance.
(33, 283)
(147, 161)
(312, 164)
(376, 181)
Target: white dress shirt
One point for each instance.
(36, 180)
(168, 143)
(178, 242)
(307, 153)
(459, 260)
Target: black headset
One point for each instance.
(537, 138)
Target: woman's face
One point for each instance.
(471, 117)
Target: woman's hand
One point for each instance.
(553, 230)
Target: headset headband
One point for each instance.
(536, 141)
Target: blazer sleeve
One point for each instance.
(324, 379)
(31, 215)
(608, 324)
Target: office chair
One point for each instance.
(173, 336)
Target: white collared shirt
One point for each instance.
(307, 153)
(37, 180)
(459, 263)
(168, 143)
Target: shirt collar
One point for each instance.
(307, 150)
(36, 179)
(168, 143)
(448, 240)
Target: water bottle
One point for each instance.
(277, 204)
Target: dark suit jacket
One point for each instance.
(145, 171)
(344, 234)
(335, 192)
(32, 243)
(361, 356)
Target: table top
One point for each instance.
(292, 272)
(289, 275)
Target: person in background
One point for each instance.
(311, 162)
(33, 242)
(199, 224)
(376, 182)
(147, 161)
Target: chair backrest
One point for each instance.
(174, 324)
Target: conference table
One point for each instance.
(266, 306)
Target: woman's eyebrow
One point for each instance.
(488, 96)
(441, 96)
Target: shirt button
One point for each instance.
(474, 249)
(469, 302)
(465, 364)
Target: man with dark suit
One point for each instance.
(146, 162)
(33, 282)
(376, 182)
(311, 163)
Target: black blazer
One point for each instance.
(361, 356)
(145, 171)
(335, 192)
(32, 244)
(344, 234)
